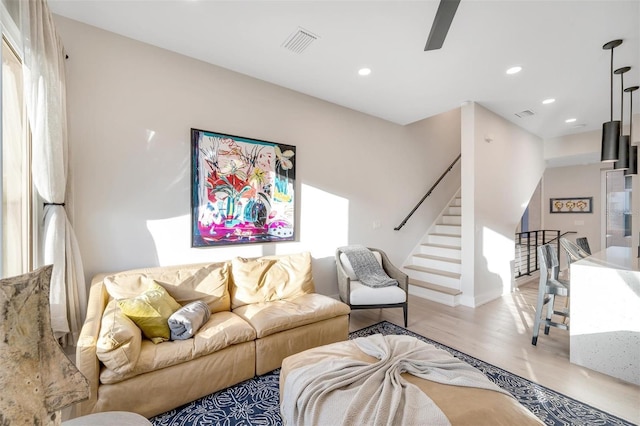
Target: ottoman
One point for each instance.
(109, 418)
(316, 385)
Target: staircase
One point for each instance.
(434, 268)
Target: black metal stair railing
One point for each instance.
(527, 248)
(397, 228)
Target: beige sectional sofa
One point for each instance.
(262, 310)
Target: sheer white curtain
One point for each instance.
(45, 96)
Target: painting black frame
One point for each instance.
(242, 190)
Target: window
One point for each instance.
(16, 226)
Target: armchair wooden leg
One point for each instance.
(405, 309)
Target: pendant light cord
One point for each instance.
(622, 102)
(630, 118)
(611, 78)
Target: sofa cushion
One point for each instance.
(118, 345)
(270, 278)
(186, 283)
(150, 311)
(272, 317)
(222, 330)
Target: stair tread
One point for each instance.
(435, 287)
(433, 271)
(440, 258)
(445, 246)
(439, 234)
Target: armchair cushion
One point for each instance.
(365, 295)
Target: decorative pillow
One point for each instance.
(118, 345)
(185, 283)
(270, 278)
(150, 311)
(346, 264)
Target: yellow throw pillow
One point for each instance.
(150, 311)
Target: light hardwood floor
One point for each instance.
(499, 332)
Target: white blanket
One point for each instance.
(351, 392)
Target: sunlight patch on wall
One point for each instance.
(324, 226)
(324, 221)
(172, 239)
(499, 253)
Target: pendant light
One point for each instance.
(623, 141)
(610, 129)
(633, 149)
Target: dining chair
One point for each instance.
(550, 286)
(583, 243)
(573, 251)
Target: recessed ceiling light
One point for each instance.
(570, 120)
(548, 101)
(364, 71)
(514, 70)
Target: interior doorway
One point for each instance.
(617, 209)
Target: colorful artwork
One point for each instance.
(242, 190)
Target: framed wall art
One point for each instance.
(571, 205)
(242, 190)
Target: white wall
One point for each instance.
(502, 165)
(574, 181)
(583, 149)
(443, 131)
(579, 148)
(131, 107)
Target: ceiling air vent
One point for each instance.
(524, 114)
(299, 40)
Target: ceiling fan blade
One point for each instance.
(441, 23)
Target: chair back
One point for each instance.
(574, 253)
(583, 243)
(549, 265)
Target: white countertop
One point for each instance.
(623, 258)
(605, 313)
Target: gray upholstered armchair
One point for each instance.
(360, 296)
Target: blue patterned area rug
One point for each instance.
(256, 401)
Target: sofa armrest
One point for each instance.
(344, 282)
(86, 349)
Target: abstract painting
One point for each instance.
(242, 190)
